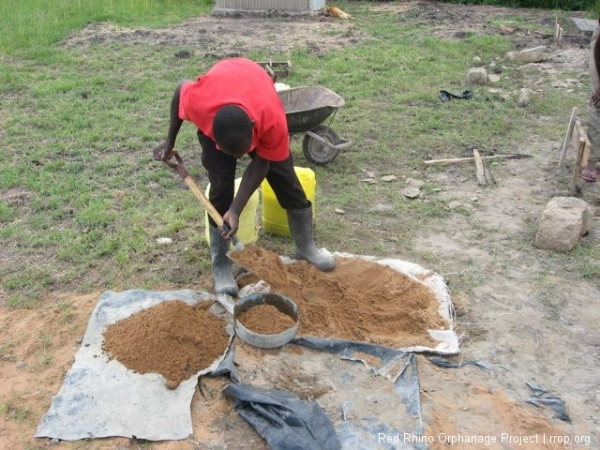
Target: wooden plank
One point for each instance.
(447, 161)
(585, 156)
(568, 137)
(582, 136)
(480, 173)
(577, 167)
(489, 177)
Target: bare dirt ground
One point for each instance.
(521, 309)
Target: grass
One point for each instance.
(36, 25)
(83, 202)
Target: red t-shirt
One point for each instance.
(246, 84)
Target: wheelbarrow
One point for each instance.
(306, 108)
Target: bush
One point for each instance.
(565, 5)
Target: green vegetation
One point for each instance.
(568, 5)
(83, 202)
(38, 24)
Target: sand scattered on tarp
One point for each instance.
(359, 300)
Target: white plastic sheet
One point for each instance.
(101, 397)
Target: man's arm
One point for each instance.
(162, 151)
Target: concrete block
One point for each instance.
(563, 222)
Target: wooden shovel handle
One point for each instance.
(189, 181)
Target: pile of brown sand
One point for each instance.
(265, 319)
(172, 338)
(358, 301)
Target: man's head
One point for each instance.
(232, 128)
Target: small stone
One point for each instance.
(339, 211)
(524, 97)
(21, 365)
(164, 240)
(411, 192)
(415, 183)
(388, 178)
(477, 75)
(454, 205)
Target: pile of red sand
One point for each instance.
(358, 301)
(172, 338)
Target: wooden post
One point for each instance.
(585, 153)
(479, 167)
(567, 137)
(577, 168)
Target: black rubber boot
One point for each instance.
(221, 264)
(301, 227)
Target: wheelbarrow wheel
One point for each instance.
(319, 152)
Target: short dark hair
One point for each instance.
(232, 128)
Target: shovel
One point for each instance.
(208, 206)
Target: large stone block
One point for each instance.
(563, 222)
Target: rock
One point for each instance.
(562, 223)
(415, 183)
(388, 178)
(524, 97)
(339, 211)
(454, 205)
(477, 75)
(21, 365)
(493, 78)
(530, 55)
(164, 240)
(411, 192)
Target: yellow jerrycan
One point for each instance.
(274, 217)
(247, 231)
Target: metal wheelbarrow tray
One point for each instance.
(306, 108)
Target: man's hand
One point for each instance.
(162, 152)
(232, 220)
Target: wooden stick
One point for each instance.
(563, 152)
(585, 154)
(577, 168)
(521, 31)
(447, 161)
(479, 167)
(489, 178)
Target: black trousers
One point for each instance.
(221, 175)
